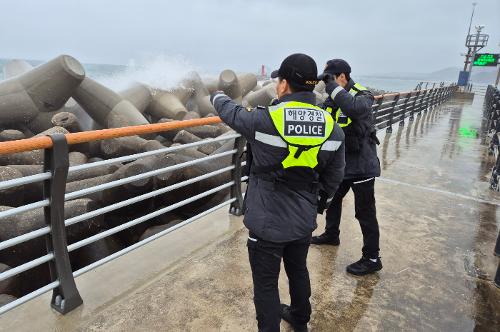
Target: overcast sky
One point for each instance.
(374, 36)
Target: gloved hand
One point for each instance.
(326, 77)
(214, 94)
(323, 201)
(330, 85)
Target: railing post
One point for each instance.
(437, 99)
(421, 103)
(236, 207)
(497, 246)
(446, 92)
(412, 112)
(376, 107)
(393, 107)
(405, 105)
(497, 276)
(494, 172)
(66, 296)
(497, 253)
(442, 95)
(428, 102)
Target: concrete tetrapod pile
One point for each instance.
(57, 97)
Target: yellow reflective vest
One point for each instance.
(304, 128)
(342, 119)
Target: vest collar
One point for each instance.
(302, 96)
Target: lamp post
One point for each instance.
(468, 34)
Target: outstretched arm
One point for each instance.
(239, 118)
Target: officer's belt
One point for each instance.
(271, 183)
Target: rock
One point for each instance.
(229, 83)
(166, 105)
(139, 95)
(44, 88)
(207, 131)
(201, 94)
(66, 120)
(13, 196)
(34, 157)
(122, 146)
(26, 222)
(8, 286)
(11, 135)
(42, 121)
(185, 137)
(248, 82)
(261, 97)
(191, 115)
(77, 158)
(106, 107)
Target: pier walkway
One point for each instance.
(438, 223)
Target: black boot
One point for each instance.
(325, 239)
(287, 316)
(364, 266)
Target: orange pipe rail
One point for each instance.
(44, 142)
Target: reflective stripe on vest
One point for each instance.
(304, 128)
(278, 142)
(342, 119)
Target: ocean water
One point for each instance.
(92, 70)
(389, 84)
(166, 72)
(158, 72)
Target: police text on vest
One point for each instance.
(304, 122)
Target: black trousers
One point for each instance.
(265, 261)
(365, 212)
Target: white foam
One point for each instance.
(161, 71)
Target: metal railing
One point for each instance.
(388, 109)
(393, 108)
(56, 169)
(492, 115)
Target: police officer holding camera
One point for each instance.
(351, 106)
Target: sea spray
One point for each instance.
(159, 72)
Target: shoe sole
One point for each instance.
(326, 243)
(363, 273)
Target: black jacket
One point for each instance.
(275, 212)
(363, 161)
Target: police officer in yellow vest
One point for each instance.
(297, 151)
(351, 105)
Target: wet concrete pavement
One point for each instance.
(438, 224)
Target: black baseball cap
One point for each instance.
(335, 67)
(299, 70)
